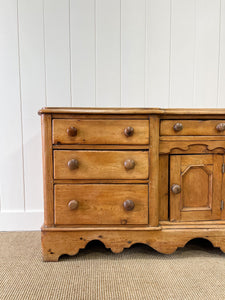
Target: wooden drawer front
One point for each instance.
(100, 131)
(100, 204)
(100, 164)
(192, 127)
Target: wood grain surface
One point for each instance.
(101, 204)
(47, 169)
(116, 179)
(200, 179)
(100, 131)
(191, 127)
(100, 164)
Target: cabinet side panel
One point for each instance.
(163, 187)
(223, 195)
(175, 165)
(47, 169)
(217, 186)
(154, 171)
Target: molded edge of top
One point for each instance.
(132, 111)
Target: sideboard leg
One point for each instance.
(49, 256)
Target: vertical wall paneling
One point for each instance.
(11, 158)
(157, 52)
(207, 53)
(183, 52)
(57, 51)
(30, 16)
(221, 58)
(107, 53)
(82, 22)
(133, 33)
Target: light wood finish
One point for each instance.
(101, 204)
(223, 193)
(56, 242)
(100, 181)
(192, 138)
(181, 226)
(83, 116)
(132, 111)
(154, 171)
(100, 147)
(101, 111)
(163, 186)
(187, 223)
(47, 169)
(102, 227)
(179, 147)
(191, 112)
(100, 164)
(192, 127)
(199, 179)
(126, 176)
(100, 131)
(189, 116)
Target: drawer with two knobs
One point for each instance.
(120, 204)
(192, 127)
(80, 164)
(100, 132)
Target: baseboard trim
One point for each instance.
(21, 221)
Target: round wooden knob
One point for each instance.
(220, 127)
(129, 131)
(73, 204)
(128, 205)
(129, 164)
(178, 127)
(73, 164)
(176, 188)
(72, 131)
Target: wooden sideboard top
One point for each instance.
(134, 111)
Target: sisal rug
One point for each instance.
(194, 272)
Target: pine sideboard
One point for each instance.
(132, 175)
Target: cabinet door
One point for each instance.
(195, 187)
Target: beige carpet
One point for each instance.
(195, 272)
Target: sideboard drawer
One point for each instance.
(69, 164)
(192, 127)
(78, 131)
(101, 204)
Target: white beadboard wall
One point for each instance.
(104, 53)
